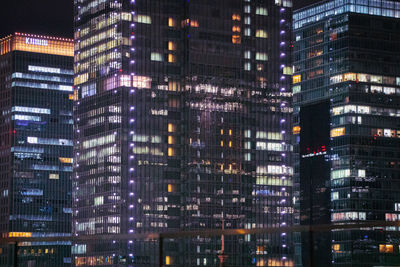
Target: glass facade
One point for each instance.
(36, 148)
(346, 62)
(182, 122)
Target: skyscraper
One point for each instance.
(182, 123)
(347, 118)
(36, 148)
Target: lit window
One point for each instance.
(156, 56)
(236, 39)
(236, 29)
(167, 260)
(296, 129)
(376, 79)
(338, 132)
(288, 70)
(142, 19)
(236, 17)
(385, 248)
(54, 176)
(126, 16)
(296, 89)
(262, 56)
(247, 9)
(247, 32)
(334, 195)
(65, 160)
(172, 22)
(247, 54)
(171, 128)
(171, 188)
(341, 173)
(171, 140)
(247, 66)
(247, 20)
(261, 11)
(296, 79)
(98, 200)
(194, 23)
(261, 34)
(350, 77)
(171, 152)
(171, 46)
(171, 58)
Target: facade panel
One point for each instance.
(183, 123)
(346, 56)
(36, 128)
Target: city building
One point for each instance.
(346, 94)
(36, 147)
(182, 122)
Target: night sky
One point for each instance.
(49, 17)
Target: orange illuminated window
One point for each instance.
(171, 152)
(171, 128)
(222, 131)
(65, 160)
(222, 143)
(338, 132)
(171, 140)
(171, 22)
(236, 29)
(171, 58)
(171, 188)
(230, 143)
(236, 17)
(350, 76)
(171, 46)
(167, 260)
(336, 247)
(19, 234)
(296, 129)
(385, 248)
(236, 39)
(230, 131)
(296, 79)
(194, 23)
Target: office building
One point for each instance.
(182, 122)
(346, 93)
(36, 148)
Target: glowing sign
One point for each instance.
(338, 132)
(19, 234)
(34, 41)
(296, 129)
